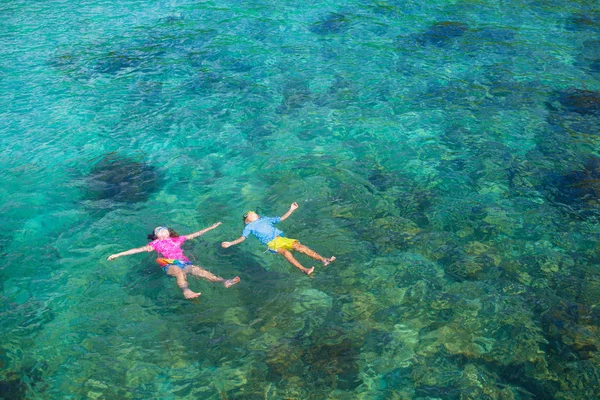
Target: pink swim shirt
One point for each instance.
(170, 247)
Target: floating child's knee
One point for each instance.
(175, 271)
(282, 251)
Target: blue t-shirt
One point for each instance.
(263, 229)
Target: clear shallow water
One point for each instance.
(444, 152)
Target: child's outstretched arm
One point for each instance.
(293, 208)
(236, 241)
(202, 232)
(130, 252)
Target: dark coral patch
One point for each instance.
(489, 39)
(115, 62)
(310, 131)
(340, 94)
(333, 23)
(381, 180)
(495, 35)
(257, 131)
(573, 113)
(16, 385)
(584, 22)
(13, 388)
(443, 33)
(334, 365)
(430, 391)
(148, 92)
(139, 54)
(578, 192)
(121, 180)
(595, 66)
(63, 61)
(582, 185)
(412, 204)
(591, 50)
(589, 57)
(296, 94)
(4, 242)
(583, 102)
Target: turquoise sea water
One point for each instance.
(446, 152)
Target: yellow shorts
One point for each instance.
(281, 243)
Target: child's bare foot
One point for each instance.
(308, 271)
(190, 295)
(230, 282)
(327, 261)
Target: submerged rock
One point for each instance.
(121, 180)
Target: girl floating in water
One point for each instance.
(168, 245)
(263, 229)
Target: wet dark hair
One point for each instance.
(172, 233)
(246, 215)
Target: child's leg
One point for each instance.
(288, 256)
(312, 254)
(209, 276)
(182, 282)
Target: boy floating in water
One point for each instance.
(168, 245)
(263, 229)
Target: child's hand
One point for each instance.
(215, 225)
(294, 206)
(226, 244)
(112, 257)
